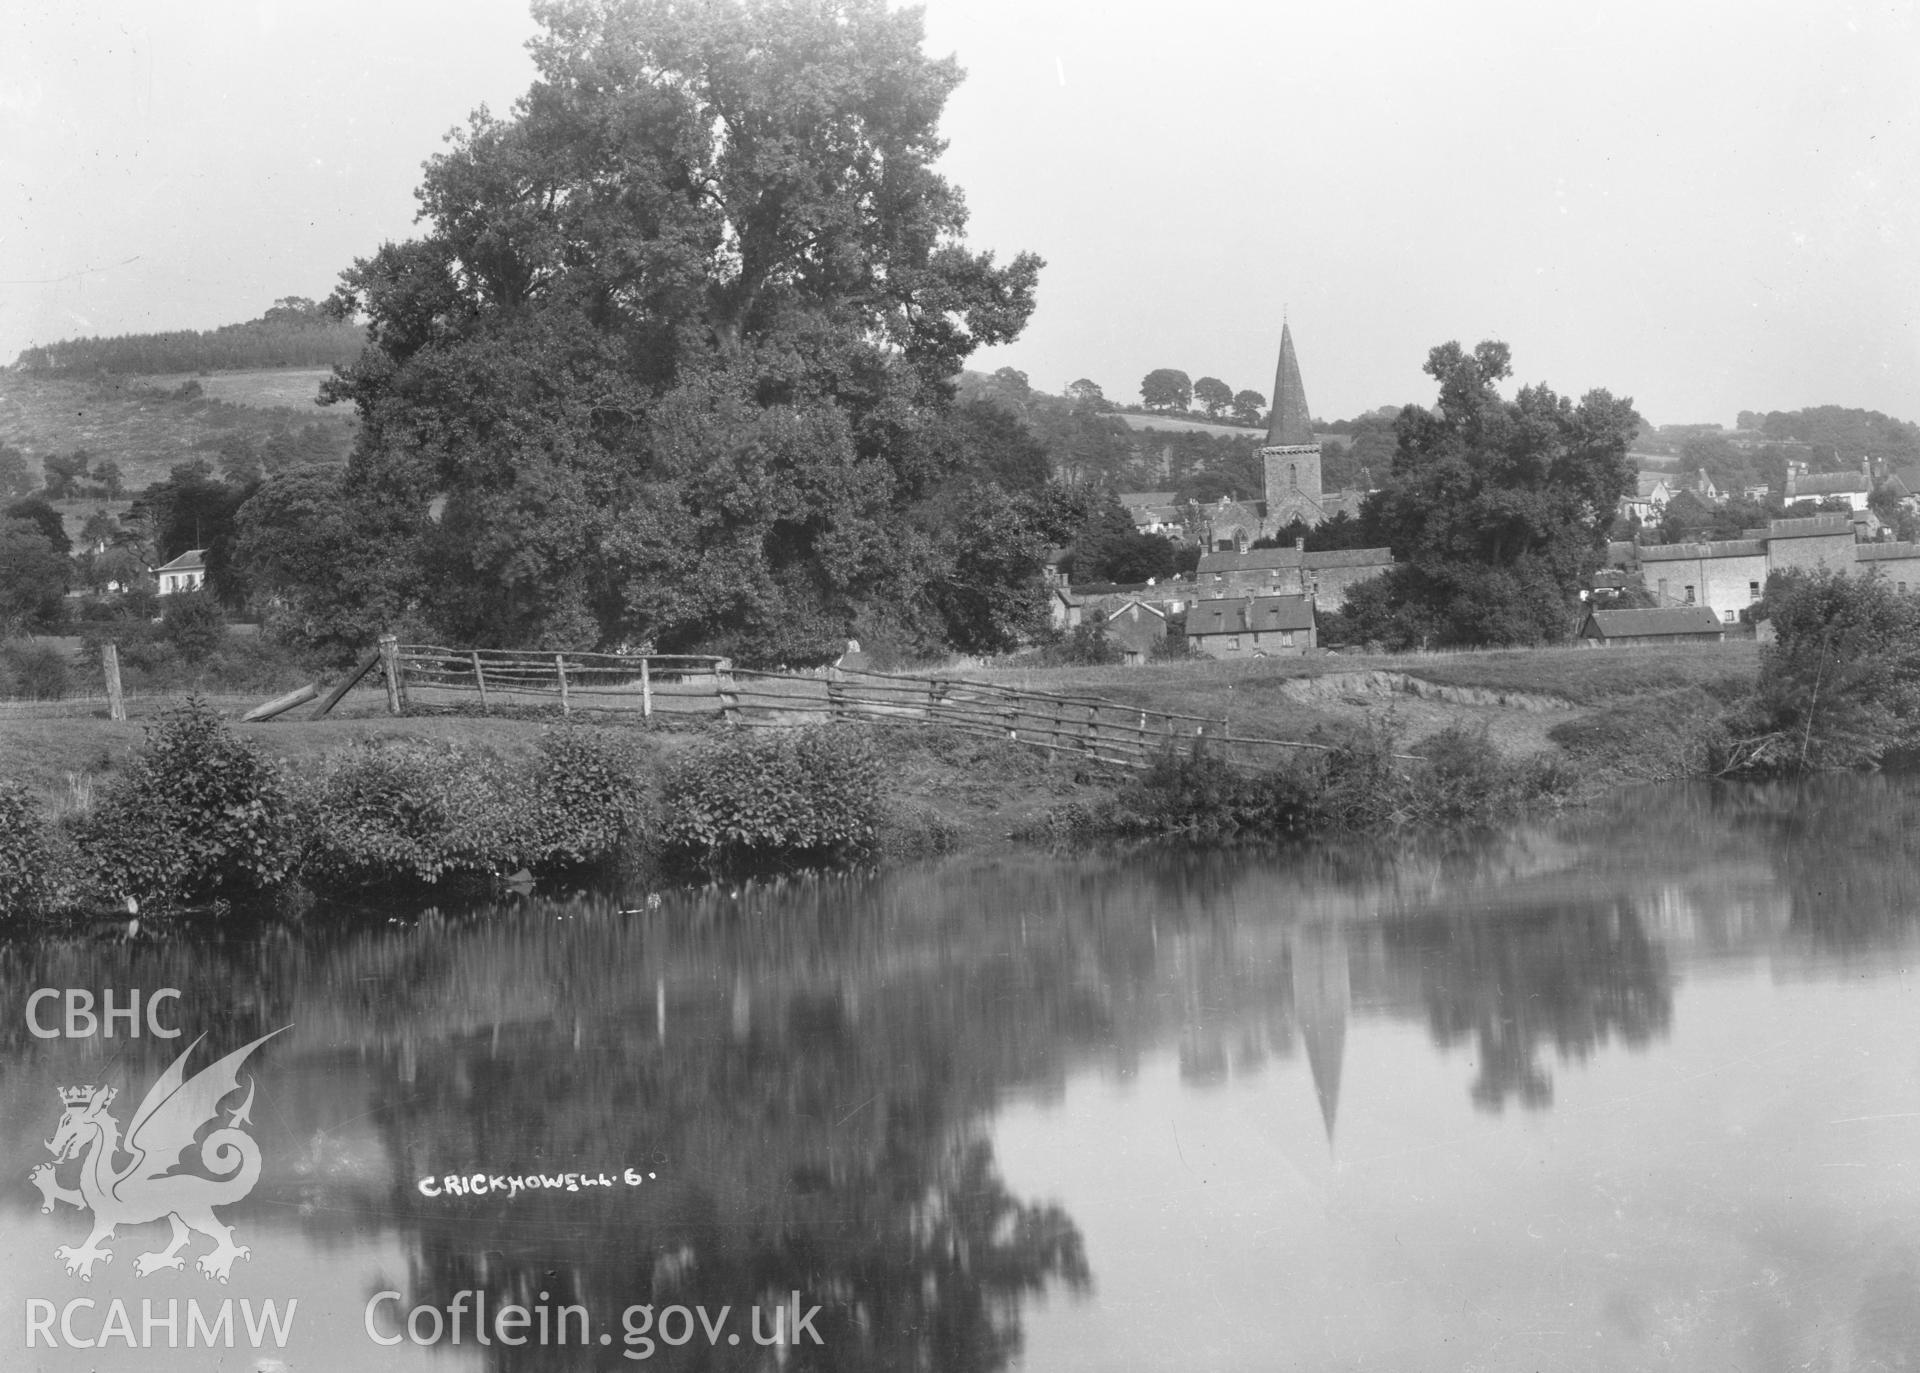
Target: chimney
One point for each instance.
(1300, 545)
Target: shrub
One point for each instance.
(198, 813)
(26, 858)
(1463, 776)
(193, 624)
(34, 672)
(413, 810)
(807, 795)
(590, 801)
(1840, 684)
(1086, 645)
(1191, 793)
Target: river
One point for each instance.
(1638, 1087)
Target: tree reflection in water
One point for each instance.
(1569, 977)
(824, 1143)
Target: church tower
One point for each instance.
(1290, 456)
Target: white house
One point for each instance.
(188, 572)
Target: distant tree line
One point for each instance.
(295, 332)
(1839, 434)
(1170, 391)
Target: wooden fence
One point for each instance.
(685, 687)
(426, 676)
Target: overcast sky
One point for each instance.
(1708, 205)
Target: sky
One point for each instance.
(1706, 205)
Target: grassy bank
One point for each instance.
(1495, 732)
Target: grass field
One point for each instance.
(289, 388)
(1230, 431)
(1618, 715)
(146, 433)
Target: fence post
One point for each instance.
(390, 669)
(110, 663)
(729, 694)
(560, 670)
(480, 680)
(646, 691)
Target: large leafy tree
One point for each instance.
(1499, 508)
(676, 343)
(1214, 395)
(1166, 388)
(34, 576)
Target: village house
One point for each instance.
(1136, 629)
(1070, 606)
(1325, 575)
(1903, 484)
(188, 572)
(1252, 627)
(1154, 512)
(1724, 576)
(1807, 543)
(1624, 628)
(1651, 492)
(1898, 562)
(1852, 487)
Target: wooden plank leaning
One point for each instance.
(280, 705)
(347, 683)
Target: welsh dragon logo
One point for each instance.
(148, 1187)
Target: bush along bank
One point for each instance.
(201, 819)
(1359, 785)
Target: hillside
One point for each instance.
(147, 428)
(1172, 422)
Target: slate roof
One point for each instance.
(1644, 482)
(1720, 548)
(1625, 624)
(1254, 560)
(1257, 615)
(1279, 612)
(193, 560)
(1905, 481)
(1130, 499)
(1828, 484)
(1349, 557)
(1806, 527)
(1893, 548)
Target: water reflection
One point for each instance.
(809, 1073)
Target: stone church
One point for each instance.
(1291, 462)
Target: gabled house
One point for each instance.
(188, 572)
(1651, 492)
(1253, 627)
(1851, 487)
(1136, 629)
(1619, 628)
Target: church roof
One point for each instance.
(1289, 421)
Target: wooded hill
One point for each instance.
(296, 332)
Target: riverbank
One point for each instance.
(1611, 717)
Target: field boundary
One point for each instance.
(687, 688)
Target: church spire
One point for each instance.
(1289, 422)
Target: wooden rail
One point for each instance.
(427, 676)
(687, 687)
